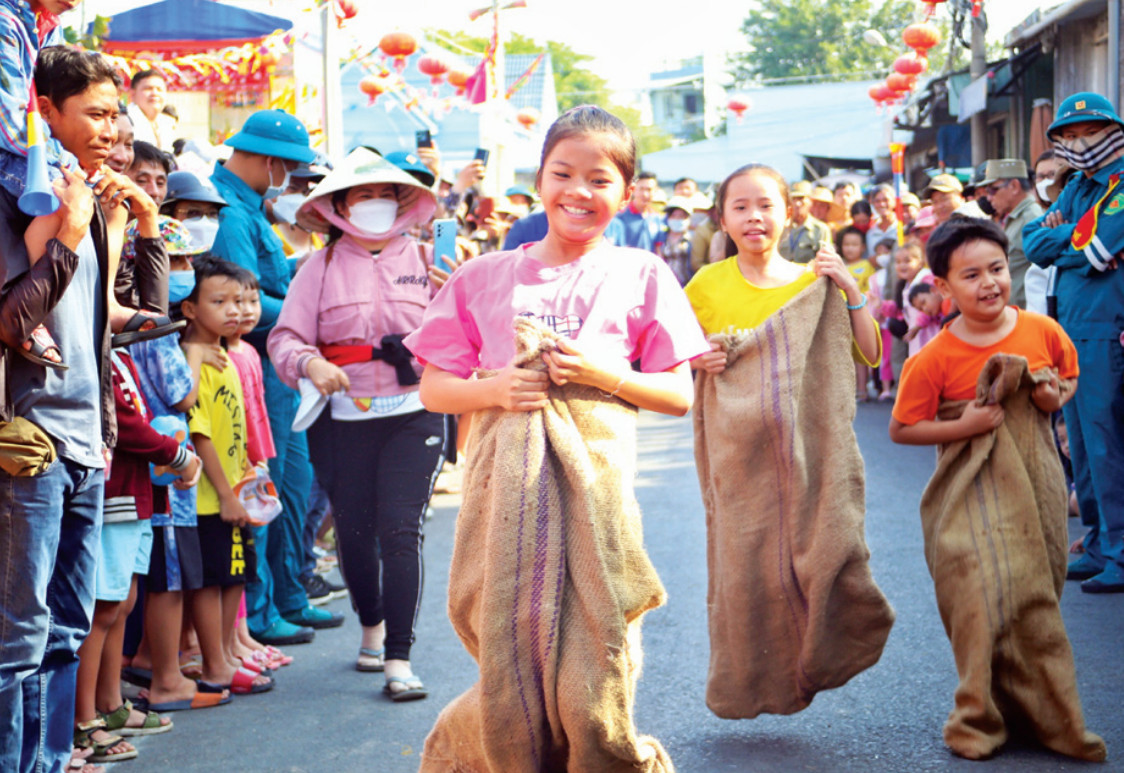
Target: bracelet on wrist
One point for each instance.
(858, 306)
(617, 388)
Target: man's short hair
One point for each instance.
(843, 185)
(646, 176)
(685, 180)
(147, 153)
(62, 71)
(951, 236)
(145, 75)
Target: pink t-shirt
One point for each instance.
(620, 301)
(259, 440)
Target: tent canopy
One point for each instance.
(188, 26)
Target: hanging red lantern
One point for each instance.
(921, 37)
(900, 84)
(433, 66)
(346, 9)
(931, 6)
(738, 106)
(911, 64)
(528, 117)
(398, 46)
(883, 94)
(458, 78)
(372, 86)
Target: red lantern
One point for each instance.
(433, 66)
(911, 64)
(458, 78)
(921, 37)
(398, 45)
(372, 86)
(899, 83)
(931, 6)
(738, 106)
(346, 9)
(528, 117)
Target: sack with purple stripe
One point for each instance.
(793, 608)
(548, 585)
(994, 517)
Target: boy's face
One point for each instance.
(251, 310)
(218, 307)
(928, 303)
(152, 179)
(978, 280)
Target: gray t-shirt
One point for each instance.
(67, 403)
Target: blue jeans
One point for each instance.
(278, 588)
(318, 507)
(49, 531)
(1094, 419)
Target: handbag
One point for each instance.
(25, 449)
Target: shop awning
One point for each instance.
(188, 26)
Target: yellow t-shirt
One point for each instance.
(722, 299)
(220, 414)
(862, 271)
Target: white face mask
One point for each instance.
(285, 207)
(202, 230)
(274, 191)
(1041, 186)
(375, 216)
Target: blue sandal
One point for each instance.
(371, 660)
(411, 688)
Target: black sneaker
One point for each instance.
(321, 591)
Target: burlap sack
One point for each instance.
(548, 583)
(792, 606)
(994, 517)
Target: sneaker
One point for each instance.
(282, 633)
(1083, 568)
(1111, 580)
(316, 618)
(321, 591)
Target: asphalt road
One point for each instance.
(324, 716)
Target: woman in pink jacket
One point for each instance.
(374, 447)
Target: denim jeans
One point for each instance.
(277, 588)
(49, 531)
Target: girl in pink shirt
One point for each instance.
(610, 306)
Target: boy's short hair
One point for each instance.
(147, 153)
(62, 71)
(951, 236)
(207, 266)
(919, 289)
(889, 242)
(250, 280)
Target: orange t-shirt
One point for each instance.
(947, 368)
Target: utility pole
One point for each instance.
(977, 69)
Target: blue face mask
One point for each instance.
(180, 285)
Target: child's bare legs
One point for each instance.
(861, 374)
(163, 616)
(108, 697)
(89, 663)
(213, 610)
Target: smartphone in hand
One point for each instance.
(445, 244)
(482, 155)
(424, 138)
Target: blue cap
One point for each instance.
(1081, 107)
(185, 186)
(274, 133)
(519, 190)
(408, 162)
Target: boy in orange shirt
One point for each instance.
(994, 513)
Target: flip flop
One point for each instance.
(257, 668)
(146, 326)
(371, 660)
(276, 656)
(206, 696)
(412, 689)
(141, 677)
(242, 684)
(41, 343)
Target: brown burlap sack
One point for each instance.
(548, 583)
(793, 608)
(994, 517)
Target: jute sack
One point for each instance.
(793, 608)
(994, 517)
(548, 583)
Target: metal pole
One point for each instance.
(977, 69)
(330, 93)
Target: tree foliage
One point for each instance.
(820, 38)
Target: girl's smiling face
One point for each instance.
(754, 213)
(852, 247)
(907, 262)
(581, 189)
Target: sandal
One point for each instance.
(116, 721)
(37, 347)
(371, 660)
(78, 763)
(84, 739)
(144, 326)
(401, 689)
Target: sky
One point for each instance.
(628, 40)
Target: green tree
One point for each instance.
(820, 39)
